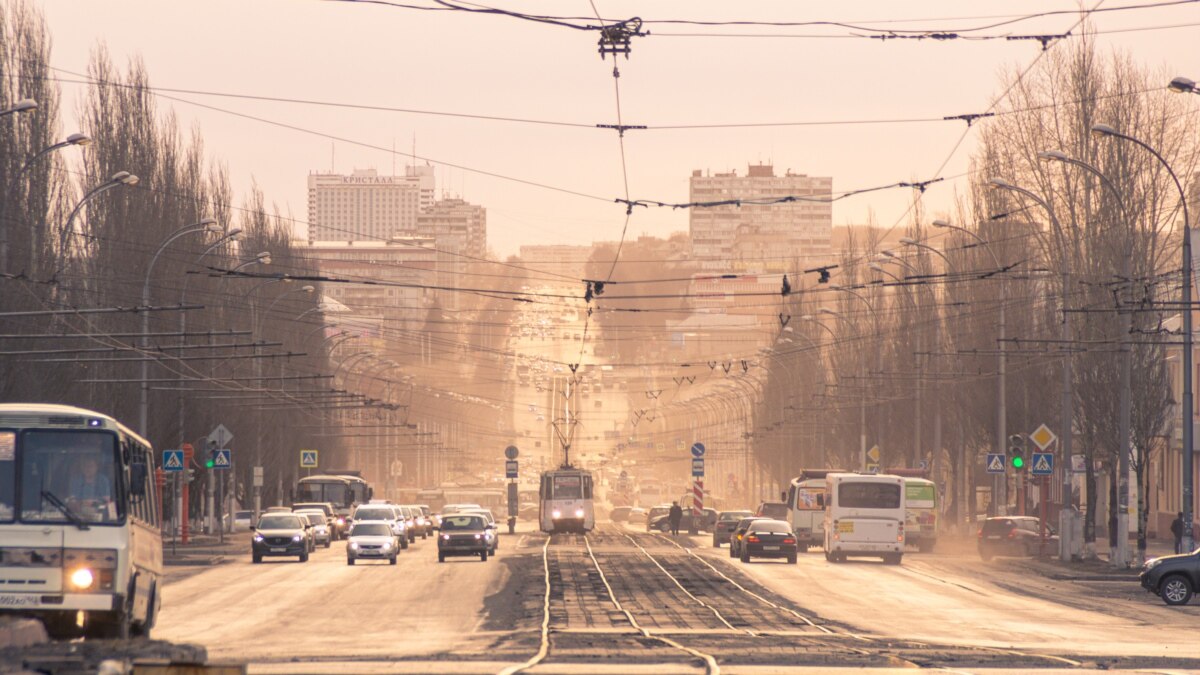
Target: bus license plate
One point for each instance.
(19, 600)
(846, 527)
(279, 550)
(770, 548)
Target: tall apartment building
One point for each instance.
(365, 206)
(456, 225)
(760, 237)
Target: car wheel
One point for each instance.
(441, 557)
(392, 560)
(404, 544)
(304, 557)
(732, 553)
(1175, 590)
(792, 559)
(745, 557)
(892, 558)
(349, 561)
(716, 544)
(483, 556)
(256, 558)
(328, 543)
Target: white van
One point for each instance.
(864, 516)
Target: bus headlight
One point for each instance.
(82, 579)
(556, 514)
(578, 513)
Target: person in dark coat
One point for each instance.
(674, 516)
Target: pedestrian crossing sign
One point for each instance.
(172, 460)
(308, 459)
(995, 463)
(222, 459)
(1043, 464)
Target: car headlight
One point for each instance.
(446, 537)
(298, 537)
(341, 521)
(258, 539)
(556, 514)
(1152, 563)
(578, 513)
(387, 545)
(479, 536)
(82, 579)
(353, 546)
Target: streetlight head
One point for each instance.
(826, 310)
(999, 183)
(264, 257)
(875, 266)
(940, 223)
(908, 241)
(234, 234)
(1053, 156)
(887, 253)
(1102, 130)
(124, 178)
(79, 139)
(24, 105)
(808, 317)
(211, 226)
(308, 289)
(1182, 85)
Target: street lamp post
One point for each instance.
(1121, 559)
(1001, 360)
(25, 104)
(118, 179)
(207, 226)
(1103, 131)
(74, 139)
(1066, 425)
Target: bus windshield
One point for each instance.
(323, 491)
(869, 495)
(64, 476)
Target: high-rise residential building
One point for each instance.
(760, 237)
(365, 206)
(456, 225)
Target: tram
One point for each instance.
(565, 501)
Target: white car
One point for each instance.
(242, 521)
(321, 532)
(493, 538)
(382, 513)
(371, 540)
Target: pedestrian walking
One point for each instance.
(674, 516)
(1177, 532)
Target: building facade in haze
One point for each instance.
(760, 237)
(365, 206)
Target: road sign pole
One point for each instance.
(183, 514)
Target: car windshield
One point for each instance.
(462, 523)
(279, 522)
(734, 515)
(370, 530)
(770, 527)
(774, 510)
(73, 469)
(374, 514)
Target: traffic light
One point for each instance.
(212, 455)
(190, 475)
(1016, 452)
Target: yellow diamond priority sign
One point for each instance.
(1043, 437)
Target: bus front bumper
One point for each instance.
(105, 602)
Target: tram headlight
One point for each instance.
(82, 579)
(556, 514)
(578, 513)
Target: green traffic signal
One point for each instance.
(208, 464)
(1018, 462)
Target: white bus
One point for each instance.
(565, 499)
(864, 516)
(80, 546)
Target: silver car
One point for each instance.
(371, 540)
(320, 531)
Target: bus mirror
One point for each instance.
(821, 501)
(137, 479)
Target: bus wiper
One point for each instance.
(66, 510)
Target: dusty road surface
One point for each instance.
(624, 601)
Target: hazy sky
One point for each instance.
(498, 66)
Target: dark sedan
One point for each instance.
(768, 539)
(464, 534)
(280, 534)
(726, 521)
(1174, 578)
(1018, 536)
(739, 533)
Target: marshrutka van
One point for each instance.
(921, 508)
(864, 516)
(806, 507)
(80, 546)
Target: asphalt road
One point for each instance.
(943, 610)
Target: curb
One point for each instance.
(184, 560)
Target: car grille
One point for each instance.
(462, 539)
(370, 547)
(278, 541)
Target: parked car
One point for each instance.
(243, 521)
(768, 539)
(739, 532)
(371, 540)
(320, 527)
(1014, 536)
(620, 514)
(726, 521)
(463, 534)
(1174, 578)
(654, 512)
(280, 534)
